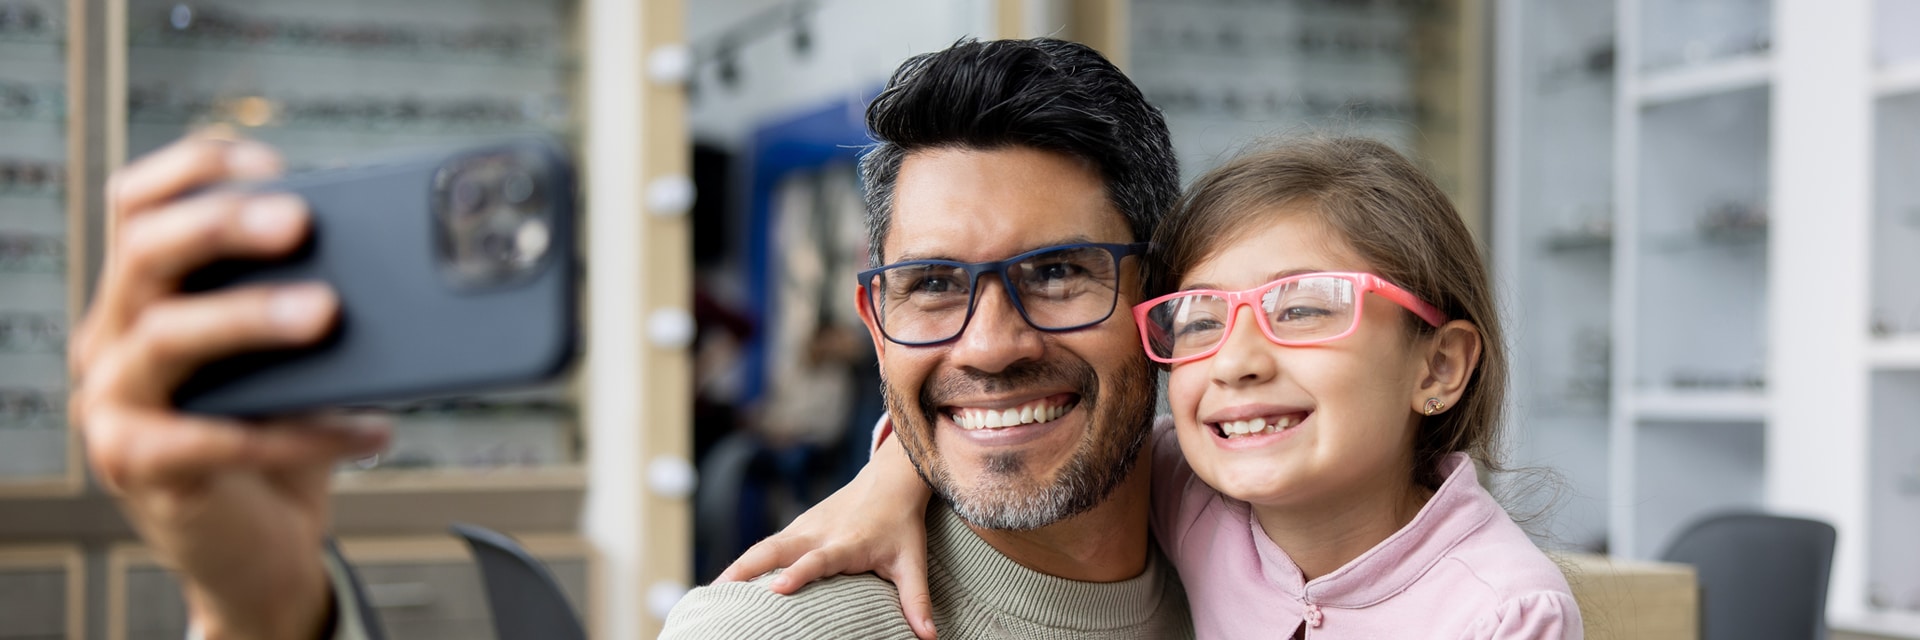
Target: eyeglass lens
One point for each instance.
(1300, 310)
(1055, 290)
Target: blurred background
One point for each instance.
(1701, 213)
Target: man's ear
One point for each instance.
(865, 304)
(1448, 360)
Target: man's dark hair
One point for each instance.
(1042, 93)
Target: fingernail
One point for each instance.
(366, 426)
(271, 216)
(299, 307)
(248, 158)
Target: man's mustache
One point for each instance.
(940, 390)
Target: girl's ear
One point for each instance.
(1449, 358)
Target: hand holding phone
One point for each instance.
(455, 273)
(204, 490)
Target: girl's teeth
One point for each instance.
(1256, 426)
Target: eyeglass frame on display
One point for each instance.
(17, 250)
(162, 105)
(19, 100)
(1118, 251)
(31, 176)
(22, 408)
(31, 18)
(224, 27)
(1363, 283)
(49, 330)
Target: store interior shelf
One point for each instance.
(1897, 80)
(1900, 353)
(1705, 79)
(1879, 624)
(40, 487)
(462, 480)
(1700, 406)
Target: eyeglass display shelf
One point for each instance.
(368, 128)
(1895, 353)
(34, 118)
(1700, 406)
(546, 60)
(1897, 79)
(1715, 77)
(556, 477)
(1891, 624)
(48, 40)
(40, 486)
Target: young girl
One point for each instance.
(1336, 374)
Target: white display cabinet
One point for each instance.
(1762, 244)
(1691, 158)
(1892, 511)
(1556, 99)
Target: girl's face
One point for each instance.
(1351, 404)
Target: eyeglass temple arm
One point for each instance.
(1433, 315)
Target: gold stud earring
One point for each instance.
(1434, 405)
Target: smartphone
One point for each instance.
(456, 274)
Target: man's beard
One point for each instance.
(1010, 496)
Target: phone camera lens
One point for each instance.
(468, 197)
(499, 247)
(516, 187)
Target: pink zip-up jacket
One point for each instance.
(1460, 569)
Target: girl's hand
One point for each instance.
(876, 523)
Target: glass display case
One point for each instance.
(37, 451)
(334, 83)
(1227, 73)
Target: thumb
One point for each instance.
(910, 576)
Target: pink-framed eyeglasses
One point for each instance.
(1309, 308)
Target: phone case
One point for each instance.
(409, 326)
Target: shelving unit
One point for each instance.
(1555, 95)
(1686, 83)
(1898, 79)
(339, 83)
(1760, 259)
(427, 588)
(1895, 354)
(1886, 574)
(39, 236)
(1228, 74)
(43, 591)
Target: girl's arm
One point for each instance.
(876, 523)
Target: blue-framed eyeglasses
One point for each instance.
(1060, 288)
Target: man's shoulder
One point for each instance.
(863, 606)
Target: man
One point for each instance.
(1009, 198)
(990, 151)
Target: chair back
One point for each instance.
(1762, 577)
(525, 601)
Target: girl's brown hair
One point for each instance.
(1398, 220)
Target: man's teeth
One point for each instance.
(1029, 413)
(1256, 426)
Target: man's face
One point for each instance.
(973, 206)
